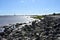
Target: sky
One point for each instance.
(29, 7)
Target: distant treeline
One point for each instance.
(56, 13)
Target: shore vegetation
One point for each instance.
(38, 17)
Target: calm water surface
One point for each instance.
(5, 20)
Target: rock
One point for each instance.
(47, 28)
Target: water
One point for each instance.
(5, 20)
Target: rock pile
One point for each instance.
(46, 29)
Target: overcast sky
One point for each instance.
(28, 7)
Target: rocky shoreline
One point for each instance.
(43, 29)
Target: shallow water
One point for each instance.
(5, 20)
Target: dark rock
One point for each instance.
(46, 29)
